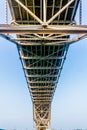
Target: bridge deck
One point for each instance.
(42, 63)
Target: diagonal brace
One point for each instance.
(29, 11)
(59, 12)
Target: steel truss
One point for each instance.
(43, 34)
(42, 115)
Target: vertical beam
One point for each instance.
(44, 11)
(80, 13)
(6, 12)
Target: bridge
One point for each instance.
(44, 32)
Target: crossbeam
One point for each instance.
(42, 91)
(42, 81)
(41, 68)
(42, 58)
(39, 29)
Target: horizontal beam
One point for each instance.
(40, 38)
(41, 87)
(37, 105)
(40, 91)
(42, 98)
(50, 29)
(42, 58)
(41, 101)
(41, 68)
(42, 81)
(39, 43)
(56, 21)
(37, 76)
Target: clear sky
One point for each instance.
(69, 107)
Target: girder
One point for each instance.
(41, 81)
(44, 91)
(45, 97)
(39, 29)
(41, 68)
(39, 57)
(41, 76)
(41, 87)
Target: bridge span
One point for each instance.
(43, 31)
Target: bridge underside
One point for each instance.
(42, 55)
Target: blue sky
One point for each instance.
(69, 107)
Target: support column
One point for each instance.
(41, 115)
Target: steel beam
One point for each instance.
(41, 68)
(46, 81)
(40, 38)
(44, 11)
(50, 29)
(40, 91)
(41, 87)
(42, 58)
(42, 98)
(37, 76)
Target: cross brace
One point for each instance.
(39, 29)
